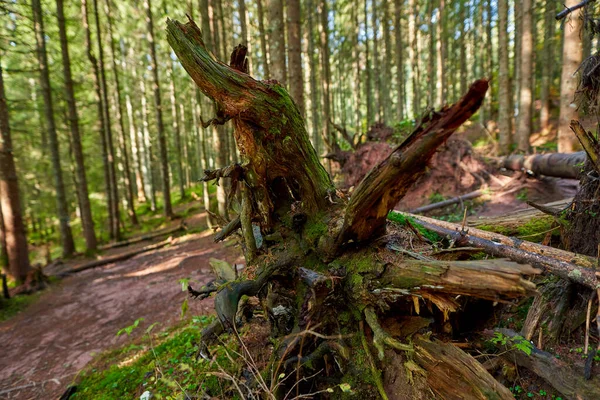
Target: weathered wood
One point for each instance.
(563, 377)
(575, 267)
(120, 257)
(453, 374)
(588, 142)
(389, 181)
(143, 238)
(455, 200)
(560, 165)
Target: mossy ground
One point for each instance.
(533, 230)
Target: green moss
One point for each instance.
(401, 219)
(533, 230)
(315, 228)
(163, 365)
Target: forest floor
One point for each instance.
(46, 345)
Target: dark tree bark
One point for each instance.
(329, 136)
(13, 240)
(114, 214)
(548, 63)
(399, 58)
(122, 136)
(296, 79)
(68, 245)
(101, 116)
(314, 95)
(504, 103)
(87, 221)
(276, 41)
(368, 84)
(162, 142)
(263, 39)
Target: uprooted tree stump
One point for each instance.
(320, 262)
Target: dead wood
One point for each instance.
(560, 165)
(575, 267)
(455, 200)
(563, 377)
(120, 257)
(143, 238)
(588, 142)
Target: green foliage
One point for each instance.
(130, 328)
(516, 342)
(436, 197)
(16, 304)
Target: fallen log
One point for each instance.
(445, 203)
(561, 376)
(559, 165)
(144, 238)
(575, 267)
(119, 257)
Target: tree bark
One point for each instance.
(441, 47)
(329, 135)
(276, 41)
(263, 39)
(115, 216)
(87, 221)
(296, 79)
(504, 110)
(68, 245)
(400, 58)
(525, 94)
(376, 63)
(368, 85)
(122, 136)
(162, 141)
(413, 56)
(387, 63)
(571, 59)
(314, 95)
(560, 165)
(13, 240)
(548, 63)
(176, 131)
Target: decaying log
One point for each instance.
(575, 267)
(120, 257)
(561, 376)
(388, 182)
(143, 238)
(559, 165)
(453, 374)
(455, 200)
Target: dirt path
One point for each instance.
(44, 347)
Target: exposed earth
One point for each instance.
(46, 345)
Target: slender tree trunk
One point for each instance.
(3, 249)
(368, 86)
(329, 135)
(87, 221)
(517, 61)
(413, 56)
(504, 110)
(176, 131)
(295, 54)
(243, 21)
(387, 62)
(98, 93)
(399, 58)
(462, 16)
(356, 58)
(441, 47)
(314, 95)
(146, 145)
(187, 159)
(376, 68)
(431, 56)
(115, 228)
(13, 240)
(136, 150)
(526, 59)
(122, 136)
(547, 64)
(66, 235)
(277, 41)
(162, 142)
(492, 95)
(263, 39)
(572, 58)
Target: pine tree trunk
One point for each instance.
(517, 15)
(243, 14)
(122, 136)
(176, 131)
(146, 147)
(547, 64)
(572, 57)
(115, 221)
(13, 239)
(431, 86)
(66, 236)
(87, 221)
(504, 110)
(376, 63)
(387, 63)
(329, 135)
(369, 82)
(413, 56)
(162, 141)
(263, 39)
(296, 79)
(462, 43)
(400, 80)
(526, 60)
(276, 41)
(441, 54)
(314, 95)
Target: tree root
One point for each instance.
(381, 337)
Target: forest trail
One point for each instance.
(45, 346)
